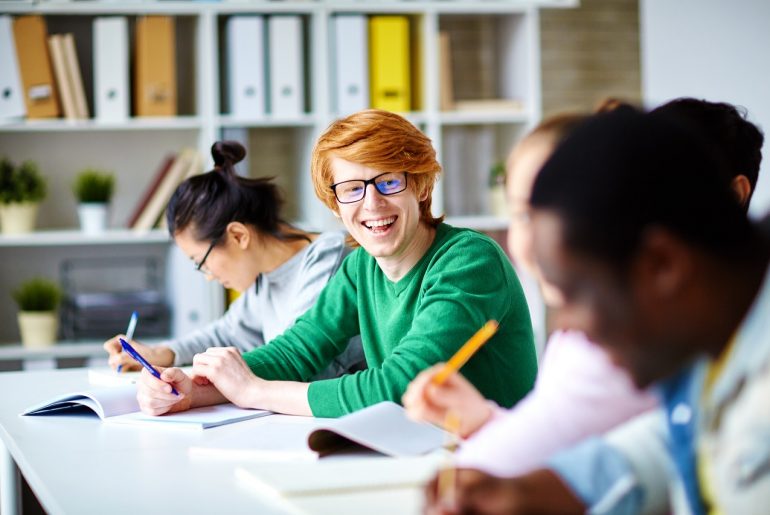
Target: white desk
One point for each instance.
(77, 465)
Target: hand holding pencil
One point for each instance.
(439, 389)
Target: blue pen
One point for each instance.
(132, 352)
(130, 331)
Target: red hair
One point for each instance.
(381, 140)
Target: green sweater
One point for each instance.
(463, 280)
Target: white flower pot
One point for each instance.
(38, 328)
(93, 217)
(497, 203)
(18, 217)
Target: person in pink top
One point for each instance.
(579, 391)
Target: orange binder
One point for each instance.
(389, 61)
(40, 95)
(155, 67)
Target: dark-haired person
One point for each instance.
(677, 292)
(415, 290)
(575, 374)
(724, 125)
(231, 228)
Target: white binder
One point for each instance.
(111, 68)
(11, 96)
(351, 60)
(246, 66)
(286, 69)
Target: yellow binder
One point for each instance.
(155, 78)
(389, 63)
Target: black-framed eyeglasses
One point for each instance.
(199, 266)
(388, 183)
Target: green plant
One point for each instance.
(37, 294)
(21, 184)
(93, 185)
(497, 174)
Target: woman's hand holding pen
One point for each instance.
(225, 369)
(427, 401)
(156, 396)
(159, 355)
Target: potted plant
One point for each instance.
(38, 300)
(93, 189)
(22, 189)
(497, 203)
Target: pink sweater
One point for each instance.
(579, 392)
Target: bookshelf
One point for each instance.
(495, 43)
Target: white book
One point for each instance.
(246, 66)
(382, 427)
(75, 77)
(110, 44)
(11, 94)
(286, 66)
(119, 405)
(351, 62)
(360, 473)
(63, 79)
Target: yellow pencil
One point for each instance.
(447, 476)
(465, 352)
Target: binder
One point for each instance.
(246, 66)
(389, 60)
(351, 57)
(110, 44)
(63, 82)
(11, 99)
(40, 94)
(286, 74)
(155, 76)
(73, 72)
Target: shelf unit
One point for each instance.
(507, 47)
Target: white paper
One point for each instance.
(197, 418)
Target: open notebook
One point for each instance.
(118, 405)
(383, 428)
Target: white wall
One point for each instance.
(713, 49)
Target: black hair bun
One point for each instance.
(227, 153)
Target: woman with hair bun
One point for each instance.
(232, 230)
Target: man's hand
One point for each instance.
(224, 368)
(476, 492)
